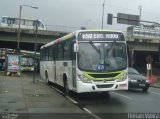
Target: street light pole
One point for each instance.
(35, 50)
(140, 13)
(19, 24)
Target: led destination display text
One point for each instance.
(108, 36)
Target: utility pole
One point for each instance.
(140, 13)
(103, 13)
(35, 50)
(19, 30)
(19, 24)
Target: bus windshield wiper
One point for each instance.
(94, 46)
(112, 44)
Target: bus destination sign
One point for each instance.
(107, 36)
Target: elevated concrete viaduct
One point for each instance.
(8, 38)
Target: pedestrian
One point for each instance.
(0, 66)
(4, 66)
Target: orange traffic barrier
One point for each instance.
(152, 79)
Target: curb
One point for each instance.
(155, 86)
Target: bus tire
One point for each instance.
(47, 79)
(65, 82)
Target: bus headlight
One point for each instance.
(84, 79)
(122, 78)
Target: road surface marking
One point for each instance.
(88, 111)
(72, 100)
(156, 93)
(122, 95)
(76, 103)
(57, 90)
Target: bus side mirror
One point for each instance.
(75, 47)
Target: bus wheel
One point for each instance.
(47, 79)
(66, 88)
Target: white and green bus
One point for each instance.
(27, 63)
(86, 61)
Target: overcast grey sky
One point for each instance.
(77, 13)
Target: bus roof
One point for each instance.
(59, 40)
(100, 30)
(70, 35)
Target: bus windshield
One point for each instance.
(102, 56)
(27, 61)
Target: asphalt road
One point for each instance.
(120, 104)
(21, 95)
(117, 104)
(122, 101)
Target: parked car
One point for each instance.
(137, 80)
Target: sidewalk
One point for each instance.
(21, 95)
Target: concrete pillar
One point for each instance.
(132, 57)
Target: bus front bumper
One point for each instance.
(101, 87)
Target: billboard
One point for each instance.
(13, 63)
(128, 19)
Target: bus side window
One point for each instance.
(41, 25)
(56, 51)
(60, 51)
(73, 54)
(16, 21)
(9, 21)
(41, 55)
(46, 54)
(4, 20)
(67, 51)
(22, 22)
(50, 53)
(53, 48)
(29, 23)
(34, 24)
